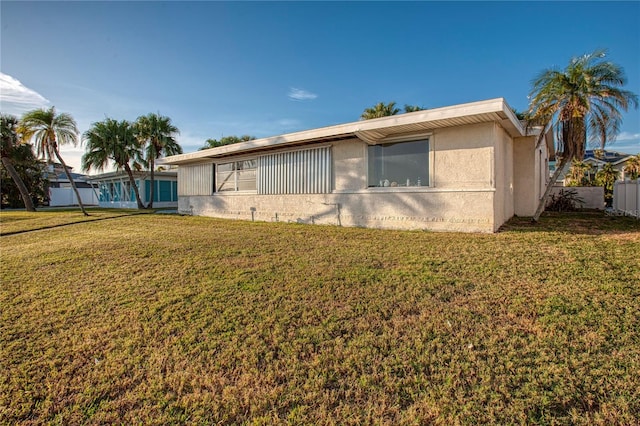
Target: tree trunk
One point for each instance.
(73, 184)
(547, 192)
(24, 192)
(135, 187)
(152, 186)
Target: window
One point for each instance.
(402, 164)
(236, 176)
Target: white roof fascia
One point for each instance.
(371, 131)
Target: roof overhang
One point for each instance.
(376, 131)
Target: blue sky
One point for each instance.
(268, 68)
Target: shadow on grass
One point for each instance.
(586, 222)
(59, 225)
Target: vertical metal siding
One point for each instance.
(195, 180)
(297, 172)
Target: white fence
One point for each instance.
(66, 197)
(626, 197)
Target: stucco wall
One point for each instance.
(503, 178)
(524, 176)
(462, 157)
(427, 209)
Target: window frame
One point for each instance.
(236, 172)
(426, 182)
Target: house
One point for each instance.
(114, 189)
(467, 167)
(596, 159)
(60, 191)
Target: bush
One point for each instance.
(567, 200)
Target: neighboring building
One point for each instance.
(114, 189)
(596, 159)
(466, 167)
(60, 191)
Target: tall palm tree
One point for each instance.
(156, 133)
(380, 110)
(112, 140)
(10, 141)
(49, 130)
(582, 103)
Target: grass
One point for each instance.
(159, 319)
(16, 221)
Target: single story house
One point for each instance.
(467, 167)
(596, 159)
(114, 189)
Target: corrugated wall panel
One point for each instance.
(195, 180)
(296, 172)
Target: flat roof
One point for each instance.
(374, 131)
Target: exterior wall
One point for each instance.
(463, 157)
(503, 202)
(461, 195)
(432, 210)
(526, 176)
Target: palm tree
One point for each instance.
(582, 102)
(606, 177)
(49, 130)
(10, 141)
(412, 108)
(633, 167)
(156, 133)
(380, 110)
(226, 140)
(577, 172)
(112, 140)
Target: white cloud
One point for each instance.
(296, 94)
(627, 136)
(16, 98)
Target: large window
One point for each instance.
(402, 164)
(236, 176)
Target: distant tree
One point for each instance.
(412, 108)
(519, 114)
(156, 133)
(49, 130)
(33, 175)
(226, 140)
(606, 177)
(9, 149)
(577, 173)
(581, 102)
(633, 167)
(380, 110)
(112, 140)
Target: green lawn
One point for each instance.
(156, 319)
